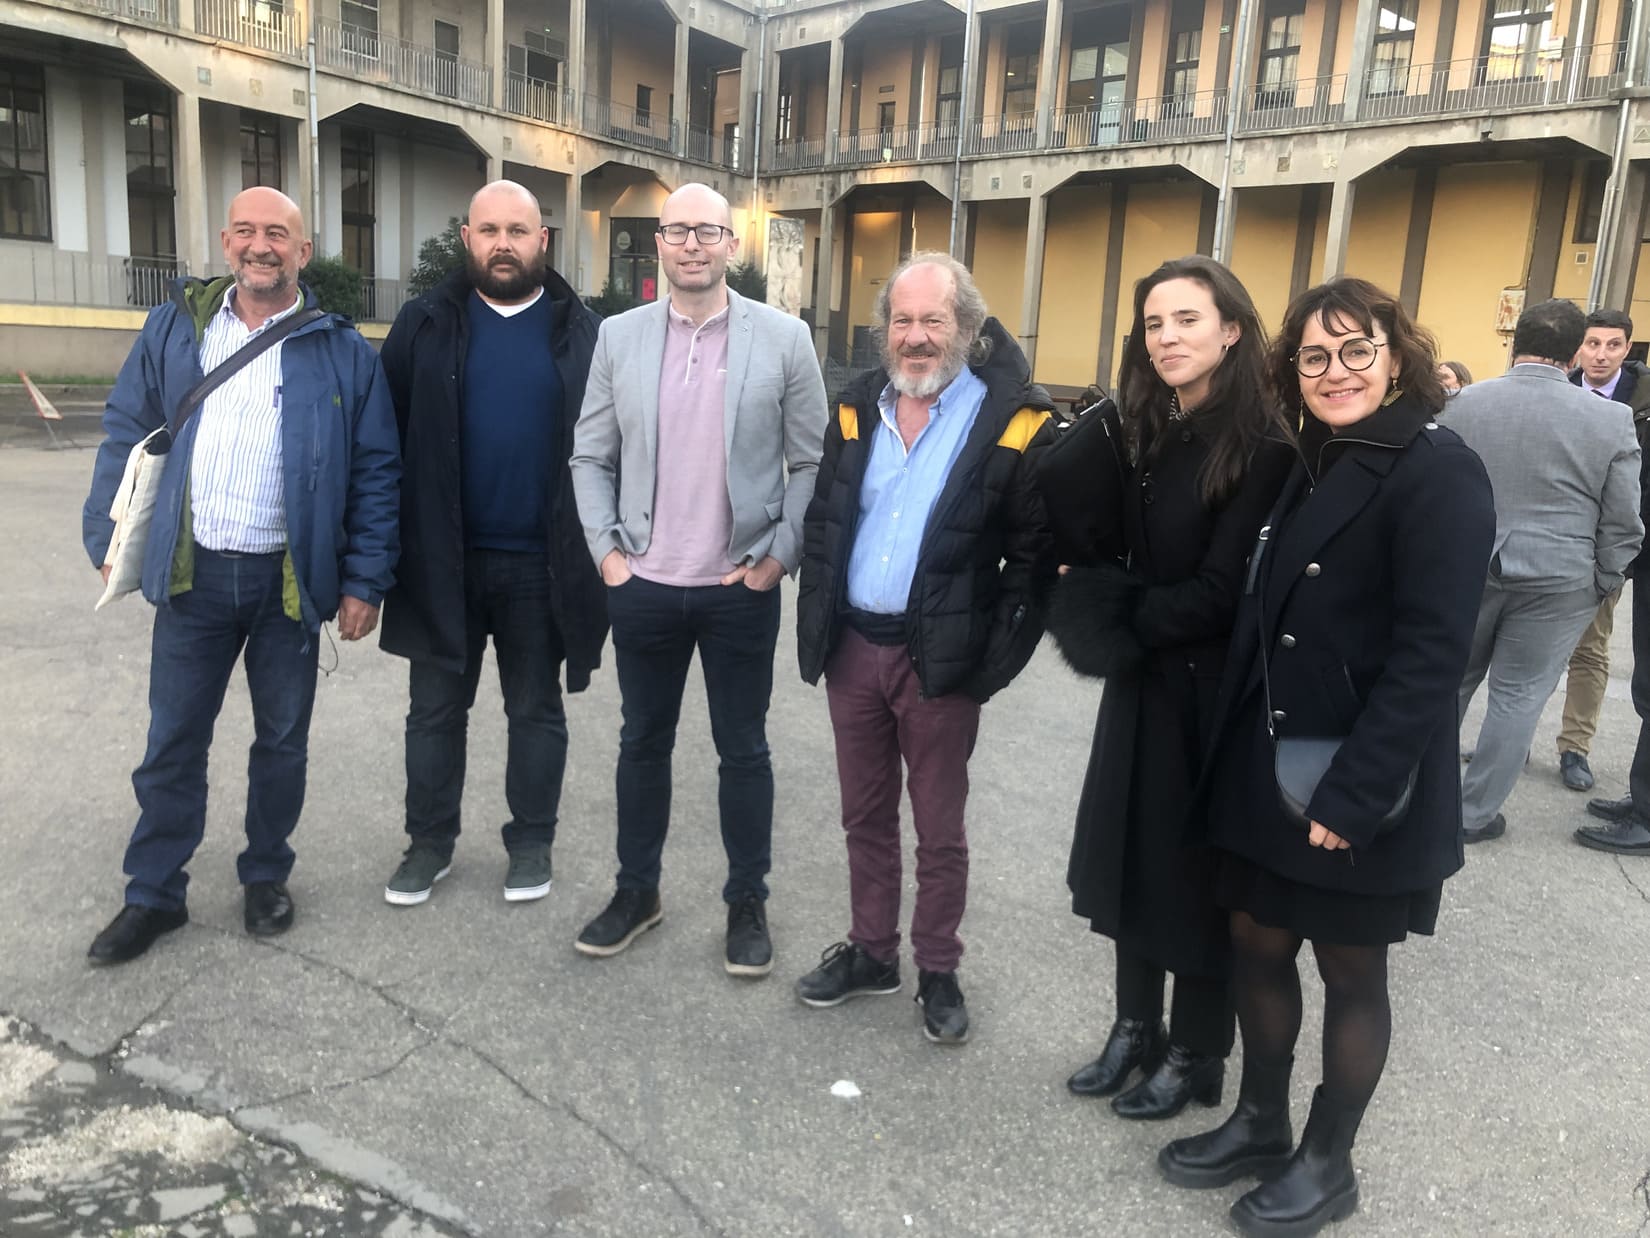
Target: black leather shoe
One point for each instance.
(1574, 770)
(944, 1014)
(268, 908)
(1611, 810)
(630, 914)
(1493, 828)
(133, 931)
(749, 948)
(1316, 1188)
(1254, 1142)
(1630, 837)
(1133, 1042)
(1182, 1076)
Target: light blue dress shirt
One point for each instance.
(899, 492)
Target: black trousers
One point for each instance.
(1638, 781)
(1201, 1015)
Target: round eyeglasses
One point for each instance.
(1355, 354)
(708, 234)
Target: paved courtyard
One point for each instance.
(462, 1059)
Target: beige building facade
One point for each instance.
(1465, 153)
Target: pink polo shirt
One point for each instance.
(692, 516)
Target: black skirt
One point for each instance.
(1333, 917)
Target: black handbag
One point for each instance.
(1299, 762)
(1082, 476)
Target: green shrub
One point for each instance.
(747, 279)
(611, 301)
(336, 284)
(438, 256)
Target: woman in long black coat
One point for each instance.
(1210, 452)
(1363, 600)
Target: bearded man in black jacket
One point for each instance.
(487, 373)
(924, 550)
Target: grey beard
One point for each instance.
(930, 384)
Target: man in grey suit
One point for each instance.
(1565, 467)
(693, 463)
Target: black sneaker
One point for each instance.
(750, 950)
(1574, 770)
(1491, 829)
(845, 971)
(944, 1017)
(627, 917)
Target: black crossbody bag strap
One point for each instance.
(237, 361)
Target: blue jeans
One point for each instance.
(655, 631)
(235, 604)
(507, 595)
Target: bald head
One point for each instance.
(265, 247)
(262, 202)
(696, 203)
(505, 194)
(505, 243)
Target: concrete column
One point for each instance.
(1618, 253)
(833, 101)
(189, 180)
(305, 183)
(750, 73)
(1048, 73)
(571, 269)
(679, 89)
(1031, 288)
(1341, 198)
(495, 57)
(1363, 45)
(973, 95)
(824, 281)
(575, 57)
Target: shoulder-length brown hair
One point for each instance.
(1348, 301)
(1240, 410)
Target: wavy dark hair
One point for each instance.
(1240, 410)
(1359, 303)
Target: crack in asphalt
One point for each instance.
(432, 1035)
(337, 1085)
(1639, 890)
(1642, 1190)
(124, 1040)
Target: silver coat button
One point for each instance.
(1312, 569)
(1279, 716)
(1287, 641)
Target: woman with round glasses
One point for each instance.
(1210, 450)
(1359, 610)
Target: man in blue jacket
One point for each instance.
(276, 511)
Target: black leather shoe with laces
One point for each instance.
(944, 1016)
(1611, 810)
(628, 916)
(845, 971)
(268, 908)
(749, 949)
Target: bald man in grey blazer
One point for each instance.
(1565, 467)
(693, 463)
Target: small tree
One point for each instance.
(611, 301)
(747, 279)
(438, 256)
(336, 284)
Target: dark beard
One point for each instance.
(506, 283)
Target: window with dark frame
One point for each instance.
(1185, 48)
(1022, 49)
(359, 19)
(25, 190)
(260, 150)
(1280, 55)
(358, 199)
(1517, 38)
(1590, 210)
(1099, 64)
(782, 124)
(150, 192)
(644, 107)
(948, 99)
(1394, 47)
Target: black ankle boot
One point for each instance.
(1182, 1076)
(1318, 1185)
(1133, 1042)
(1255, 1140)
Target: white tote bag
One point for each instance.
(132, 511)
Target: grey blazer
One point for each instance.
(1565, 467)
(773, 415)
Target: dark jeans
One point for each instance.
(1638, 779)
(235, 604)
(655, 631)
(1202, 1017)
(507, 596)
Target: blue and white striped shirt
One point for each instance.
(235, 496)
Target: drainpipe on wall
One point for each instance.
(1604, 257)
(970, 49)
(1236, 86)
(314, 148)
(756, 131)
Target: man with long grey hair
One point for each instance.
(921, 552)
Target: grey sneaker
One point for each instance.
(529, 875)
(420, 869)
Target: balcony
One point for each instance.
(44, 276)
(619, 122)
(268, 25)
(369, 56)
(1586, 74)
(1009, 133)
(1308, 103)
(898, 144)
(539, 100)
(797, 155)
(151, 12)
(703, 146)
(1162, 118)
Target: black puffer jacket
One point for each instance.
(424, 362)
(974, 615)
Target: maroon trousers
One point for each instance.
(879, 716)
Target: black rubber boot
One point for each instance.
(1254, 1141)
(1317, 1187)
(1181, 1077)
(1133, 1042)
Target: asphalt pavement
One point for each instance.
(461, 1059)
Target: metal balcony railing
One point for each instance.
(797, 155)
(1495, 83)
(704, 146)
(153, 12)
(1000, 135)
(620, 122)
(381, 299)
(369, 56)
(43, 276)
(268, 25)
(1307, 103)
(898, 144)
(528, 96)
(1162, 118)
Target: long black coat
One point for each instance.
(424, 361)
(1368, 593)
(1136, 871)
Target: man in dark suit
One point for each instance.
(1565, 468)
(1601, 368)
